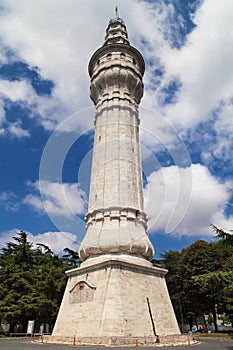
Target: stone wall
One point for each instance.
(116, 298)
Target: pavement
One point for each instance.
(26, 344)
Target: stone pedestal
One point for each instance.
(120, 296)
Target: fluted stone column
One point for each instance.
(116, 221)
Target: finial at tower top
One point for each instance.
(117, 12)
(117, 18)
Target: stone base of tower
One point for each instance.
(117, 299)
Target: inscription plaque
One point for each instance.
(81, 292)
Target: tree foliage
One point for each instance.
(32, 282)
(200, 279)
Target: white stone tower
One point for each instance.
(116, 294)
(116, 222)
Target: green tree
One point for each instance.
(213, 284)
(190, 301)
(32, 282)
(49, 284)
(171, 261)
(196, 259)
(71, 257)
(224, 236)
(16, 280)
(224, 245)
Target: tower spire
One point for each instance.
(116, 31)
(117, 12)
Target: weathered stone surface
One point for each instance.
(116, 222)
(114, 301)
(124, 341)
(116, 294)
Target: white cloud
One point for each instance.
(50, 36)
(204, 64)
(64, 200)
(6, 236)
(223, 128)
(155, 130)
(17, 131)
(56, 241)
(2, 112)
(206, 207)
(9, 201)
(43, 36)
(16, 90)
(22, 93)
(158, 134)
(3, 55)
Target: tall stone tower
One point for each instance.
(116, 294)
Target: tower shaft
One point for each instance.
(116, 222)
(116, 179)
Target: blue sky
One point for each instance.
(46, 116)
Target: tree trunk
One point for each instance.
(214, 312)
(12, 327)
(181, 317)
